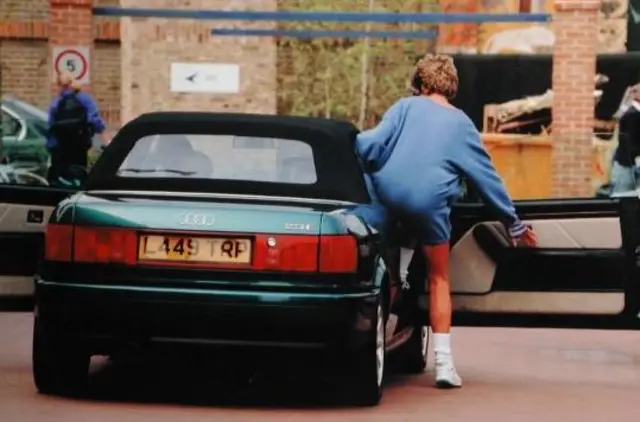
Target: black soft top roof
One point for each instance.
(338, 173)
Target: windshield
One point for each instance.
(221, 157)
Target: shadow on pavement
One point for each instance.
(241, 380)
(16, 304)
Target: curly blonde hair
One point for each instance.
(438, 75)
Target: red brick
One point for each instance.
(574, 63)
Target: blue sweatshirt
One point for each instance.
(93, 114)
(416, 158)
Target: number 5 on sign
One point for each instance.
(73, 59)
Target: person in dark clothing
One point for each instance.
(625, 171)
(74, 119)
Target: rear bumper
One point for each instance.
(223, 317)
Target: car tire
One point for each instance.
(60, 365)
(411, 357)
(370, 365)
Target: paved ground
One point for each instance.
(513, 375)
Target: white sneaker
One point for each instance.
(446, 375)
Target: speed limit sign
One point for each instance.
(72, 59)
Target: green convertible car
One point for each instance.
(188, 220)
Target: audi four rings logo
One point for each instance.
(191, 219)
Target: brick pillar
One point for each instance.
(574, 68)
(71, 25)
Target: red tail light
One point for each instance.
(328, 254)
(338, 254)
(286, 253)
(58, 241)
(106, 245)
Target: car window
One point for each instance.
(11, 127)
(29, 111)
(221, 157)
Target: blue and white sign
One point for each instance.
(216, 78)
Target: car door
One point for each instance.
(24, 212)
(582, 274)
(25, 205)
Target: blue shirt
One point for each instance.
(93, 114)
(416, 158)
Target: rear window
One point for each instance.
(221, 157)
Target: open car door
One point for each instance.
(24, 212)
(583, 274)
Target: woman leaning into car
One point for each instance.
(416, 158)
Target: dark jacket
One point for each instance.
(628, 138)
(93, 114)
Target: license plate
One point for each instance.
(214, 250)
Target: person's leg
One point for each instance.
(407, 242)
(406, 255)
(440, 310)
(437, 260)
(435, 236)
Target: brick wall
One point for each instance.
(574, 66)
(24, 10)
(25, 61)
(149, 46)
(25, 70)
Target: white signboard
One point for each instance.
(74, 59)
(217, 78)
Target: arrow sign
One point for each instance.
(192, 77)
(218, 78)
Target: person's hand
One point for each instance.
(528, 239)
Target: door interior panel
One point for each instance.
(24, 212)
(14, 218)
(560, 262)
(15, 286)
(21, 243)
(483, 259)
(579, 268)
(538, 303)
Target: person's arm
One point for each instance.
(93, 115)
(472, 159)
(371, 144)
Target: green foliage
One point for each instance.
(324, 76)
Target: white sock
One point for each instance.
(442, 343)
(406, 255)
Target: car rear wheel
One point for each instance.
(411, 357)
(60, 365)
(370, 365)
